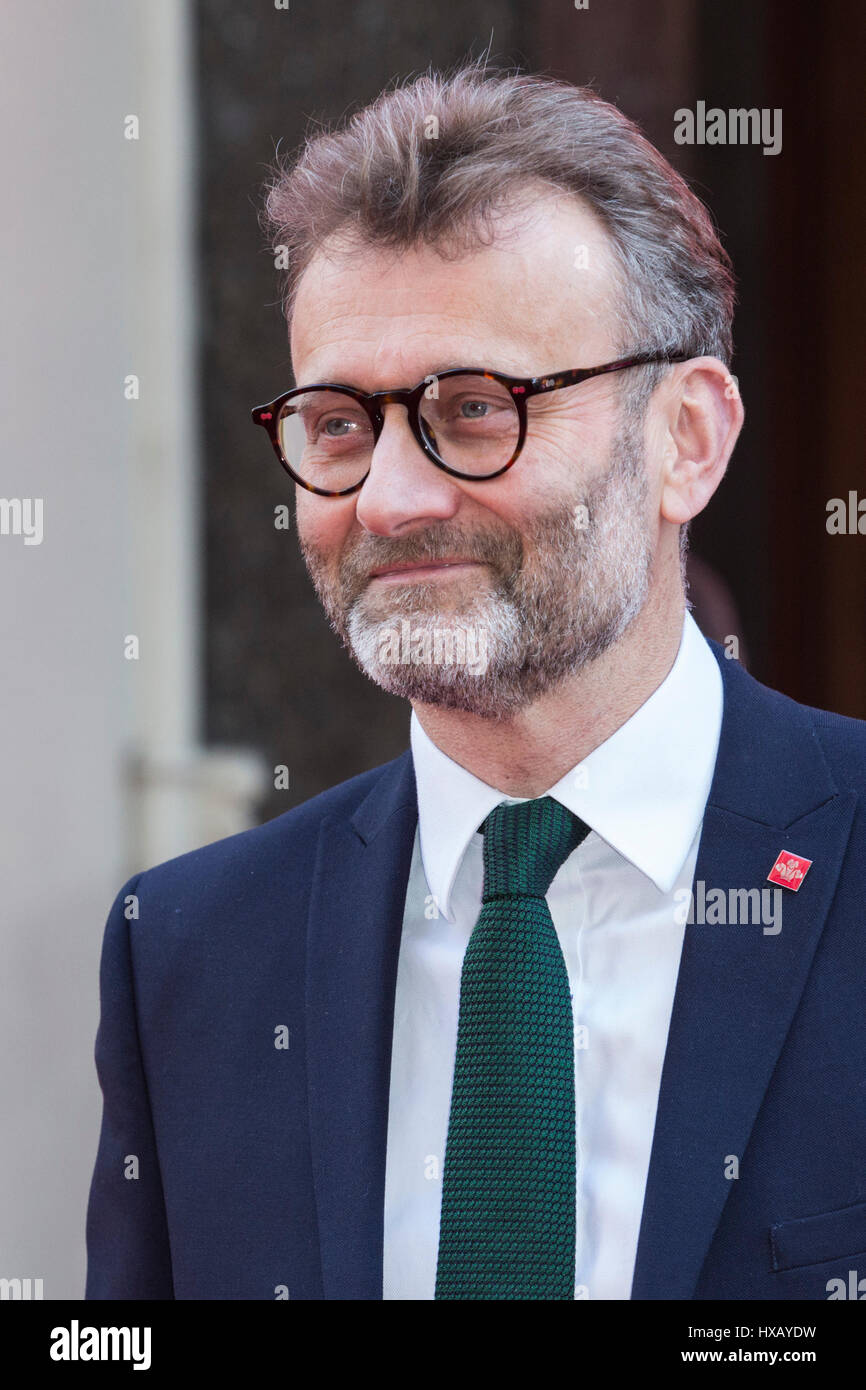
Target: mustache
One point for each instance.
(502, 549)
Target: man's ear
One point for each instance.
(704, 415)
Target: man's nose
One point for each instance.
(404, 487)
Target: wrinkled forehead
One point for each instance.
(542, 294)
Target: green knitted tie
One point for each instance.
(508, 1188)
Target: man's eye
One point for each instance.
(338, 427)
(473, 410)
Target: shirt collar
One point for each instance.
(643, 790)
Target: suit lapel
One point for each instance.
(353, 939)
(738, 988)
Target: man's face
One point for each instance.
(525, 577)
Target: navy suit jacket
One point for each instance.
(261, 1169)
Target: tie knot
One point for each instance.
(525, 844)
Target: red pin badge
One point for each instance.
(789, 870)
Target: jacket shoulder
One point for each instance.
(841, 738)
(843, 741)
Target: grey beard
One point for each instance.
(563, 594)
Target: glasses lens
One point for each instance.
(327, 439)
(471, 422)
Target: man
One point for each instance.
(565, 1002)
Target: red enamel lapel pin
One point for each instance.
(789, 870)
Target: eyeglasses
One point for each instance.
(469, 422)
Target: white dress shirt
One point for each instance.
(614, 906)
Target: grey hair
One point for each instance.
(383, 178)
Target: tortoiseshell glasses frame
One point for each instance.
(519, 388)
